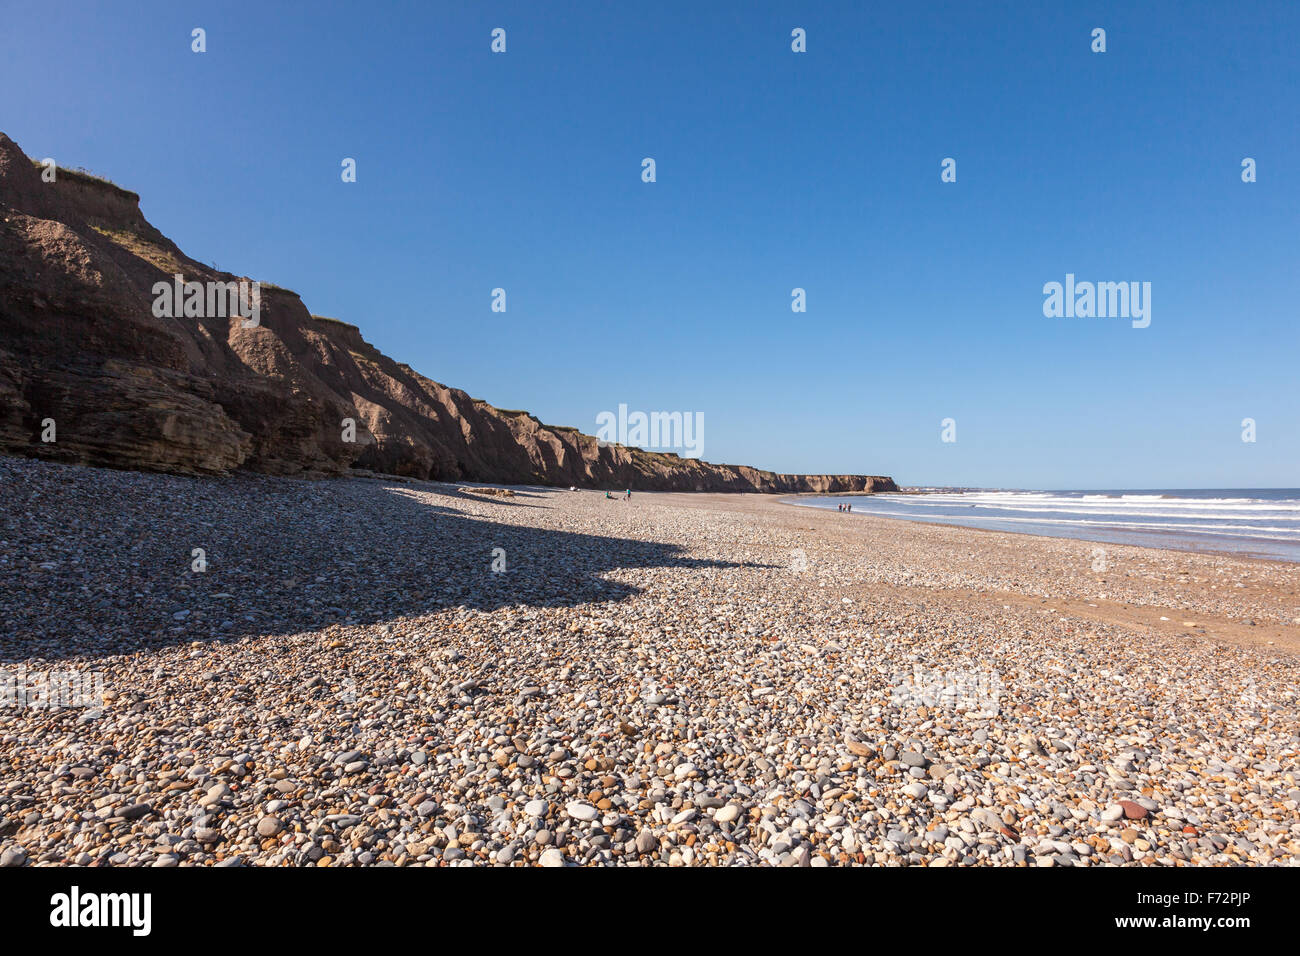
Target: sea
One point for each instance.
(1253, 522)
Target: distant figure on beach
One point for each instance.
(848, 507)
(628, 495)
(608, 496)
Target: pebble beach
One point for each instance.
(379, 672)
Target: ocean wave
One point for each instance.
(1086, 505)
(1267, 527)
(1280, 533)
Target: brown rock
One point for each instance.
(858, 748)
(1133, 811)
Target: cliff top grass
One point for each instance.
(330, 318)
(82, 175)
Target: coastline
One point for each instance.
(1193, 541)
(679, 679)
(1209, 551)
(1276, 634)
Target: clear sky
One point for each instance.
(775, 170)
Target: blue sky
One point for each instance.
(775, 170)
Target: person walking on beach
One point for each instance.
(628, 495)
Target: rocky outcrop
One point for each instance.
(81, 350)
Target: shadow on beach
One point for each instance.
(97, 562)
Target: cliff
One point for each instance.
(79, 344)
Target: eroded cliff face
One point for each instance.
(79, 344)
